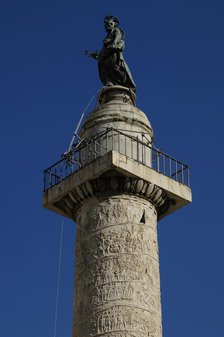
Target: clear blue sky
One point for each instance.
(175, 50)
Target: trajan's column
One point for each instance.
(116, 186)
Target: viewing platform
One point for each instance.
(115, 150)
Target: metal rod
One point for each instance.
(137, 150)
(66, 169)
(60, 170)
(176, 168)
(182, 173)
(44, 181)
(112, 139)
(132, 149)
(170, 165)
(125, 145)
(188, 176)
(119, 143)
(142, 150)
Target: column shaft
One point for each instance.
(117, 284)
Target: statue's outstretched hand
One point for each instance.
(94, 54)
(87, 52)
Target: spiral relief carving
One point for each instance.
(117, 287)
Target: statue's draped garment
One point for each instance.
(113, 70)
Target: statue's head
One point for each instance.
(110, 22)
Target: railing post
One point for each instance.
(152, 158)
(66, 168)
(125, 145)
(176, 169)
(88, 147)
(44, 181)
(61, 170)
(137, 150)
(119, 142)
(73, 158)
(94, 149)
(132, 148)
(55, 177)
(188, 176)
(77, 159)
(170, 167)
(142, 160)
(182, 173)
(101, 148)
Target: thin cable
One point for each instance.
(75, 133)
(91, 100)
(59, 277)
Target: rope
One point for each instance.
(59, 277)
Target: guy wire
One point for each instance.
(59, 277)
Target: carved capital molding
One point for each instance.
(114, 184)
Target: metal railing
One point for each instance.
(113, 139)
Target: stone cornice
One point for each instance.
(109, 185)
(137, 180)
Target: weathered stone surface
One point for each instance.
(174, 196)
(117, 286)
(116, 200)
(115, 109)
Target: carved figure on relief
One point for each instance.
(113, 292)
(112, 242)
(121, 318)
(110, 213)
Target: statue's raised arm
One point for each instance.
(94, 55)
(112, 67)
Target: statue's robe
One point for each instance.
(113, 70)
